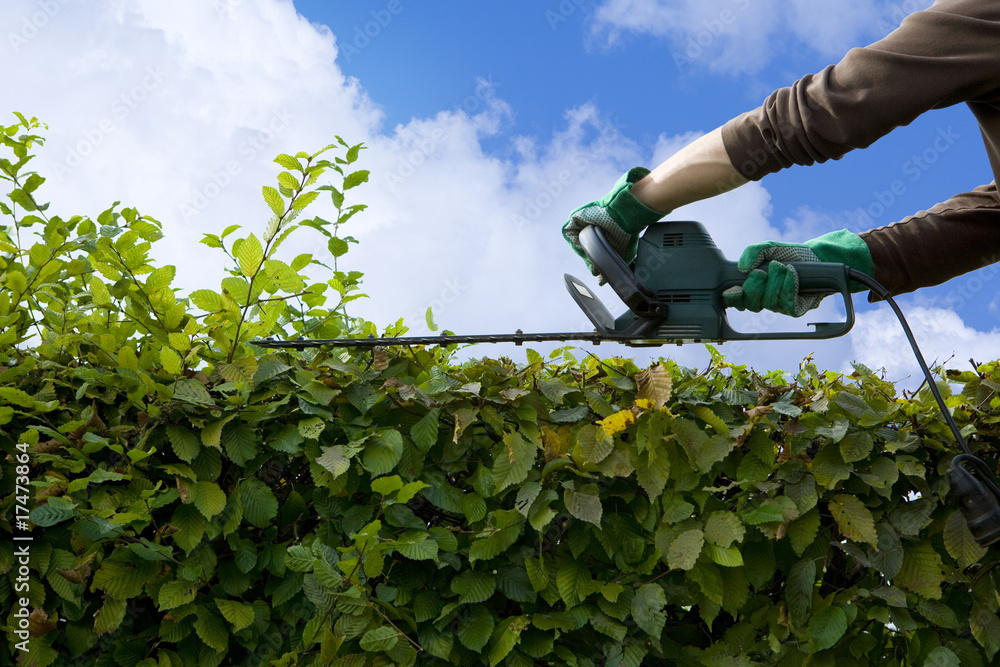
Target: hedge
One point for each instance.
(174, 495)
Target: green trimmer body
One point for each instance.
(674, 289)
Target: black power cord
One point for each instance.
(979, 504)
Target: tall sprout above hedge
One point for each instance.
(195, 500)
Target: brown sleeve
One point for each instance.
(947, 54)
(952, 238)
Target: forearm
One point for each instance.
(700, 170)
(952, 238)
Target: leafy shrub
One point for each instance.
(196, 500)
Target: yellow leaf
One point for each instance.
(618, 422)
(556, 443)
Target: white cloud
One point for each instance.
(180, 111)
(878, 341)
(738, 36)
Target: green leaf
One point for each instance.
(98, 291)
(473, 586)
(211, 435)
(652, 472)
(922, 571)
(505, 638)
(240, 442)
(386, 485)
(149, 551)
(573, 582)
(826, 627)
(207, 300)
(175, 593)
(417, 545)
(938, 613)
(123, 579)
(337, 246)
(647, 609)
(259, 504)
(208, 498)
(856, 446)
(959, 542)
(583, 506)
(685, 549)
(594, 444)
(724, 556)
(985, 627)
(495, 540)
(303, 200)
(766, 513)
(212, 630)
(109, 616)
(799, 591)
(854, 519)
(192, 391)
(942, 657)
(336, 459)
(429, 319)
(250, 255)
(288, 162)
(410, 490)
(51, 513)
(723, 528)
(475, 629)
(16, 397)
(512, 460)
(160, 278)
(355, 179)
(273, 199)
(171, 361)
(606, 626)
(311, 428)
(240, 615)
(379, 639)
(382, 452)
(424, 433)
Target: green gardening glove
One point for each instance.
(777, 288)
(619, 214)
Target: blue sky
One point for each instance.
(549, 56)
(469, 110)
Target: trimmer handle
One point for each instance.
(820, 278)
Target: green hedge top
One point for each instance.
(196, 501)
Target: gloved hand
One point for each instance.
(619, 214)
(777, 288)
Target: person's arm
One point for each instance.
(933, 246)
(700, 170)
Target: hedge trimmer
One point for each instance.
(674, 295)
